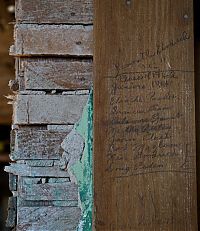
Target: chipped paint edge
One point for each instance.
(83, 169)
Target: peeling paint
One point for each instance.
(77, 160)
(83, 168)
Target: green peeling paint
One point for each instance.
(82, 170)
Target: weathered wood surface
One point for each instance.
(42, 191)
(12, 182)
(54, 73)
(48, 109)
(64, 40)
(12, 212)
(197, 84)
(144, 128)
(25, 170)
(53, 11)
(39, 162)
(37, 144)
(48, 218)
(28, 203)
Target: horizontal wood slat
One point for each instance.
(37, 145)
(40, 191)
(54, 73)
(64, 40)
(53, 11)
(48, 218)
(28, 203)
(48, 109)
(25, 170)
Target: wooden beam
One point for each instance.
(144, 116)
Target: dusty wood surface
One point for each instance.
(48, 109)
(53, 11)
(54, 73)
(37, 144)
(28, 203)
(53, 50)
(12, 182)
(144, 140)
(25, 170)
(48, 218)
(74, 40)
(45, 191)
(12, 212)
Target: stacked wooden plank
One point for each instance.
(53, 51)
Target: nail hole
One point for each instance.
(186, 16)
(128, 2)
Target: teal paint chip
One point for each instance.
(83, 169)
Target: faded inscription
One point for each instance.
(146, 117)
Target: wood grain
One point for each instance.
(144, 122)
(53, 11)
(30, 190)
(48, 109)
(27, 171)
(54, 73)
(48, 218)
(64, 40)
(12, 212)
(37, 145)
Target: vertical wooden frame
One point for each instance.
(144, 116)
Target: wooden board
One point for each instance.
(197, 83)
(144, 122)
(37, 144)
(12, 212)
(27, 203)
(41, 191)
(25, 170)
(48, 218)
(65, 40)
(48, 109)
(54, 73)
(53, 11)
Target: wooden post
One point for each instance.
(144, 116)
